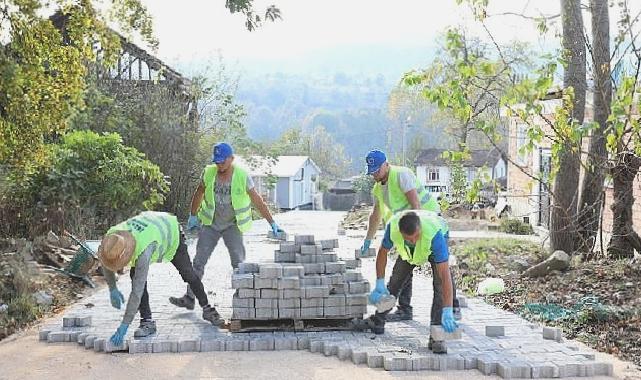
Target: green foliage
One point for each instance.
(516, 226)
(42, 75)
(363, 184)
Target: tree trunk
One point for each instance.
(592, 188)
(624, 239)
(563, 215)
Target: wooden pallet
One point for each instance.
(253, 325)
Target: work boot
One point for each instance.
(146, 328)
(211, 315)
(457, 313)
(368, 324)
(184, 301)
(401, 314)
(437, 346)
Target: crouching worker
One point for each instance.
(419, 237)
(150, 237)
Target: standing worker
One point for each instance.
(417, 236)
(150, 237)
(222, 204)
(397, 189)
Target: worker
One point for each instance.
(396, 188)
(418, 237)
(222, 205)
(147, 238)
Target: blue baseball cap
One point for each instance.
(375, 159)
(221, 152)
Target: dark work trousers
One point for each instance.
(401, 279)
(405, 295)
(181, 262)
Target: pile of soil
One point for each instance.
(357, 218)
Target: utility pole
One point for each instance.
(405, 126)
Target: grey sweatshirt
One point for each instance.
(137, 283)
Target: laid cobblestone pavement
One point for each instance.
(519, 350)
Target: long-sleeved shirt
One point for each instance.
(137, 283)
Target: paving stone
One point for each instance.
(242, 302)
(340, 232)
(514, 370)
(334, 300)
(355, 299)
(261, 344)
(375, 359)
(42, 334)
(81, 338)
(310, 280)
(352, 275)
(239, 281)
(304, 259)
(247, 268)
(329, 243)
(289, 283)
(359, 355)
(293, 313)
(89, 342)
(544, 371)
(293, 271)
(326, 257)
(58, 336)
(344, 352)
(358, 287)
(270, 271)
(290, 293)
(552, 333)
(315, 291)
(248, 293)
(356, 310)
(352, 263)
(371, 252)
(338, 288)
(266, 303)
(316, 345)
(237, 345)
(243, 313)
(330, 348)
(462, 300)
(303, 341)
(209, 345)
(164, 346)
(284, 257)
(266, 313)
(437, 333)
(315, 249)
(73, 336)
(84, 321)
(289, 303)
(99, 344)
(268, 293)
(487, 365)
(288, 247)
(314, 268)
(140, 347)
(280, 235)
(334, 311)
(265, 283)
(494, 331)
(304, 239)
(397, 363)
(312, 312)
(332, 279)
(68, 321)
(336, 267)
(107, 346)
(285, 343)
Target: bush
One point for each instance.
(516, 226)
(93, 180)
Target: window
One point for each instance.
(432, 174)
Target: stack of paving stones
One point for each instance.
(306, 281)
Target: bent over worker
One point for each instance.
(222, 204)
(397, 189)
(147, 238)
(418, 237)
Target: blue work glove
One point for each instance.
(365, 246)
(116, 298)
(193, 223)
(447, 320)
(119, 335)
(275, 229)
(379, 291)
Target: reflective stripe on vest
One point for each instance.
(397, 198)
(431, 224)
(240, 200)
(152, 227)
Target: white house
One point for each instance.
(289, 182)
(434, 172)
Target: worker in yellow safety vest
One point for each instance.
(221, 208)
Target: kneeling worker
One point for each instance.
(418, 236)
(150, 237)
